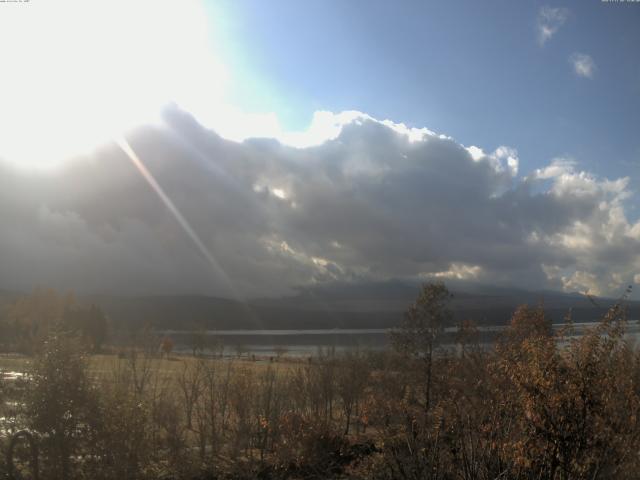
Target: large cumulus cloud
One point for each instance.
(376, 201)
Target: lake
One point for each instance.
(307, 342)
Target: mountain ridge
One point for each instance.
(357, 305)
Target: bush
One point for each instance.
(536, 405)
(60, 402)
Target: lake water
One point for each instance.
(307, 342)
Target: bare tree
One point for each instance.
(422, 329)
(352, 377)
(191, 384)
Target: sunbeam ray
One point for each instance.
(180, 218)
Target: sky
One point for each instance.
(482, 72)
(245, 148)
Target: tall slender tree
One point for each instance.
(421, 331)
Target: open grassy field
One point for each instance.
(102, 365)
(14, 362)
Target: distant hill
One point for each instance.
(361, 305)
(373, 305)
(210, 313)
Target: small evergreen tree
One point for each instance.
(59, 400)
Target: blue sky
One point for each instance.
(473, 70)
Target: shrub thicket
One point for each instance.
(537, 404)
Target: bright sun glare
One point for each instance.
(76, 73)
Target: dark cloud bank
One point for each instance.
(369, 205)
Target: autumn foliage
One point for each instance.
(537, 403)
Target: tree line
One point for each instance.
(28, 321)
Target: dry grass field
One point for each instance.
(103, 365)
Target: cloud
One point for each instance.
(550, 20)
(457, 271)
(376, 200)
(583, 65)
(557, 167)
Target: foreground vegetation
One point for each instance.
(536, 405)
